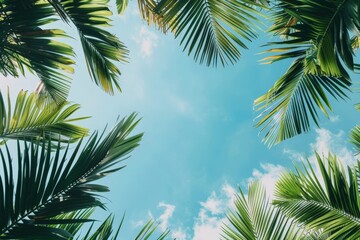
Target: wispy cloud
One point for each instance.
(211, 215)
(165, 216)
(334, 118)
(147, 41)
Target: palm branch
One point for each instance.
(328, 202)
(30, 121)
(47, 183)
(100, 47)
(294, 100)
(26, 44)
(255, 218)
(121, 6)
(210, 30)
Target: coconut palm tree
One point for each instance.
(319, 203)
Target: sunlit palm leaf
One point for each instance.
(355, 138)
(329, 201)
(48, 183)
(255, 218)
(30, 121)
(293, 102)
(149, 13)
(101, 48)
(148, 230)
(212, 31)
(121, 6)
(25, 44)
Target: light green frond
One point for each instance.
(121, 6)
(355, 138)
(328, 201)
(293, 102)
(255, 218)
(30, 121)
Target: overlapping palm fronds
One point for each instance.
(318, 35)
(48, 183)
(100, 47)
(27, 44)
(255, 218)
(30, 121)
(212, 31)
(328, 202)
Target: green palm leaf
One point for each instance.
(121, 6)
(210, 30)
(100, 47)
(290, 105)
(26, 45)
(30, 121)
(327, 25)
(328, 202)
(256, 218)
(48, 183)
(355, 138)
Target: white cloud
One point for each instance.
(334, 118)
(327, 142)
(178, 234)
(167, 214)
(268, 175)
(211, 215)
(147, 41)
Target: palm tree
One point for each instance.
(323, 205)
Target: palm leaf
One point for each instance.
(328, 202)
(100, 47)
(326, 24)
(148, 11)
(212, 31)
(121, 6)
(26, 45)
(30, 121)
(49, 183)
(290, 105)
(256, 218)
(355, 138)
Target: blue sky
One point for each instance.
(199, 142)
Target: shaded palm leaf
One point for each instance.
(290, 105)
(210, 30)
(49, 183)
(256, 218)
(329, 201)
(30, 121)
(100, 47)
(25, 44)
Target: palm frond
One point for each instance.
(121, 6)
(328, 202)
(30, 121)
(153, 16)
(48, 183)
(211, 31)
(355, 138)
(326, 24)
(293, 102)
(100, 47)
(255, 218)
(148, 230)
(26, 45)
